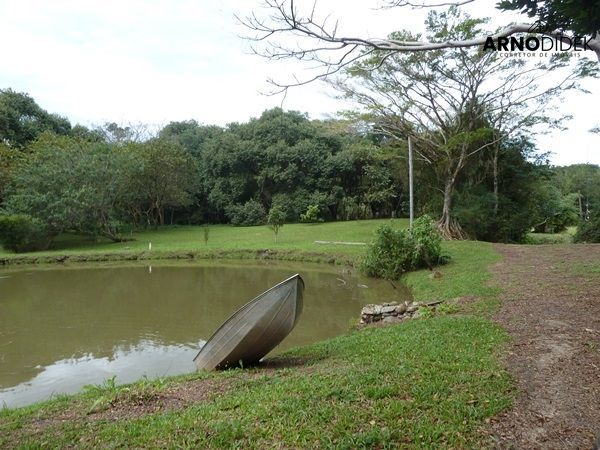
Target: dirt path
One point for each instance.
(551, 307)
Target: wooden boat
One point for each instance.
(255, 329)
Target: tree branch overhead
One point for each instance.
(285, 33)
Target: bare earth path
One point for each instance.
(551, 307)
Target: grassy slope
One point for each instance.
(424, 383)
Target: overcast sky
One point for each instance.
(155, 61)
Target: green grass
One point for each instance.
(426, 383)
(564, 237)
(224, 241)
(583, 269)
(465, 275)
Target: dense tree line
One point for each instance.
(108, 180)
(283, 159)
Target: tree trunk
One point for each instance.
(448, 225)
(161, 216)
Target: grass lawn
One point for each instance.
(426, 383)
(564, 237)
(224, 241)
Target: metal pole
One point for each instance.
(410, 182)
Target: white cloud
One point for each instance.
(155, 61)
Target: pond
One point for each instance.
(62, 328)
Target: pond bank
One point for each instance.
(260, 254)
(149, 318)
(411, 384)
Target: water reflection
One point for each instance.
(129, 364)
(63, 328)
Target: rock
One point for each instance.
(388, 310)
(401, 309)
(371, 310)
(412, 308)
(390, 304)
(391, 319)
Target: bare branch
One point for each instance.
(425, 4)
(317, 41)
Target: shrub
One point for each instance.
(427, 243)
(588, 230)
(390, 255)
(397, 251)
(250, 213)
(22, 233)
(311, 215)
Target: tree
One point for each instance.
(249, 214)
(119, 134)
(503, 208)
(84, 133)
(161, 175)
(190, 134)
(589, 230)
(69, 185)
(317, 41)
(22, 120)
(8, 159)
(452, 108)
(579, 16)
(276, 220)
(583, 180)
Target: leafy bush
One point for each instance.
(397, 251)
(589, 230)
(250, 213)
(427, 242)
(390, 255)
(21, 233)
(311, 215)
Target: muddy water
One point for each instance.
(64, 328)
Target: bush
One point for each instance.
(588, 230)
(397, 251)
(21, 233)
(311, 215)
(250, 213)
(428, 243)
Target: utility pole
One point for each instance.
(410, 183)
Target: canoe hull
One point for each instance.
(255, 329)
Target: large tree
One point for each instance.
(161, 175)
(69, 185)
(453, 108)
(22, 120)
